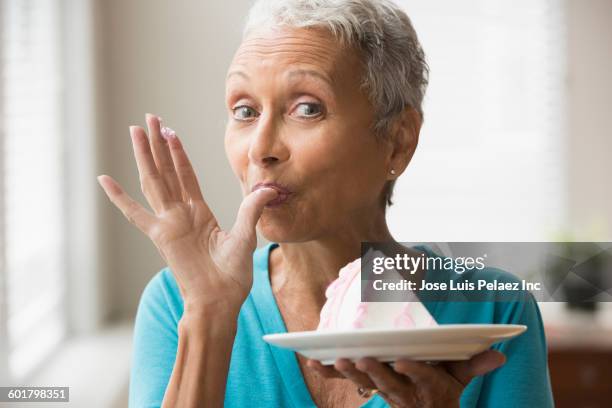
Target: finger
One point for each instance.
(182, 166)
(249, 212)
(151, 182)
(324, 371)
(418, 372)
(162, 157)
(392, 384)
(480, 364)
(132, 210)
(348, 370)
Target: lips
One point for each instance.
(283, 193)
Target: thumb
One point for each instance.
(480, 364)
(250, 210)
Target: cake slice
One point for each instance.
(344, 309)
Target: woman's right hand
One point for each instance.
(211, 266)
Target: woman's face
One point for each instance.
(297, 117)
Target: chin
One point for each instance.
(282, 231)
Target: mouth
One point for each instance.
(283, 193)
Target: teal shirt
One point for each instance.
(261, 375)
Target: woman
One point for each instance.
(324, 103)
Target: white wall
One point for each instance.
(590, 109)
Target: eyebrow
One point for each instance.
(292, 74)
(309, 72)
(238, 73)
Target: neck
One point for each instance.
(303, 270)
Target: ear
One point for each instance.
(404, 139)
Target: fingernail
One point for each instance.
(149, 115)
(264, 189)
(168, 133)
(132, 129)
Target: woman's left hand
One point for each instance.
(411, 383)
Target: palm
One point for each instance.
(206, 261)
(187, 227)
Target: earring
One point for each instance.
(393, 171)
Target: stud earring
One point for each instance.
(393, 171)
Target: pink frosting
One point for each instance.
(336, 291)
(404, 318)
(362, 312)
(167, 132)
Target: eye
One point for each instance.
(309, 109)
(244, 112)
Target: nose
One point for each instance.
(266, 147)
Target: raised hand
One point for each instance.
(209, 264)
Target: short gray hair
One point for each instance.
(396, 74)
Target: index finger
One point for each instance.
(161, 155)
(347, 369)
(182, 165)
(152, 183)
(480, 364)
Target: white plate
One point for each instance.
(448, 342)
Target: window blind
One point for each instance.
(490, 160)
(33, 183)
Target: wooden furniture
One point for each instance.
(580, 361)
